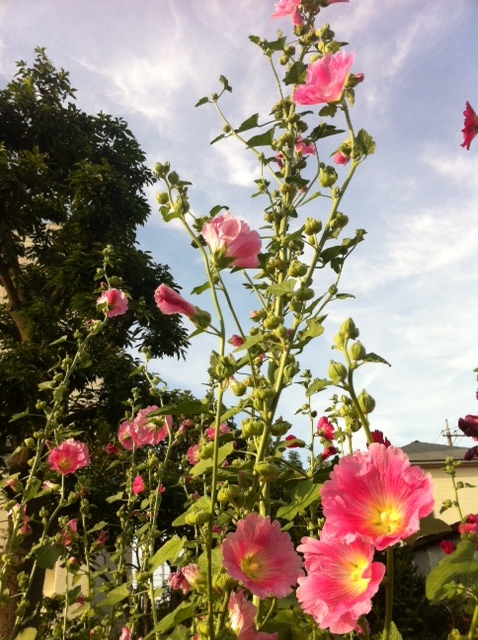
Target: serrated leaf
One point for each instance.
(181, 613)
(324, 131)
(365, 143)
(460, 567)
(167, 553)
(296, 73)
(199, 505)
(48, 554)
(319, 384)
(394, 633)
(281, 288)
(304, 492)
(262, 139)
(192, 407)
(27, 634)
(373, 357)
(98, 526)
(250, 123)
(116, 595)
(203, 465)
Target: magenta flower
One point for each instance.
(340, 158)
(66, 534)
(236, 340)
(184, 578)
(285, 8)
(377, 436)
(325, 79)
(469, 426)
(125, 437)
(210, 432)
(231, 241)
(447, 547)
(137, 485)
(470, 526)
(470, 128)
(192, 454)
(262, 557)
(114, 301)
(68, 457)
(377, 494)
(328, 452)
(325, 428)
(341, 580)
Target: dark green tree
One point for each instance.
(70, 185)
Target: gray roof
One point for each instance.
(426, 452)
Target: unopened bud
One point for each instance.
(327, 177)
(357, 351)
(312, 226)
(337, 372)
(366, 402)
(267, 471)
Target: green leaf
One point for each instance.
(191, 407)
(319, 384)
(181, 613)
(394, 633)
(180, 633)
(19, 416)
(116, 595)
(200, 289)
(281, 288)
(203, 465)
(460, 567)
(373, 357)
(304, 492)
(115, 498)
(98, 526)
(251, 341)
(59, 341)
(262, 139)
(250, 123)
(199, 505)
(27, 634)
(296, 73)
(225, 83)
(324, 131)
(217, 138)
(48, 554)
(365, 143)
(167, 553)
(204, 100)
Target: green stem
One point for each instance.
(388, 596)
(473, 625)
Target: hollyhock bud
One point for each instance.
(236, 340)
(327, 177)
(339, 157)
(137, 485)
(357, 351)
(237, 388)
(170, 302)
(337, 372)
(447, 546)
(268, 471)
(366, 402)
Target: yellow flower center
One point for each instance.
(251, 567)
(358, 584)
(389, 520)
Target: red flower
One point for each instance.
(469, 426)
(470, 129)
(447, 547)
(377, 436)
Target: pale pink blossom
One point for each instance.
(67, 533)
(210, 432)
(325, 79)
(192, 454)
(303, 148)
(183, 579)
(170, 302)
(470, 128)
(290, 8)
(68, 457)
(241, 615)
(148, 429)
(341, 580)
(377, 494)
(114, 301)
(232, 240)
(262, 557)
(137, 485)
(339, 157)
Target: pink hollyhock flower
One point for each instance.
(241, 615)
(294, 442)
(469, 426)
(303, 148)
(325, 79)
(470, 129)
(328, 452)
(470, 526)
(125, 634)
(236, 340)
(66, 536)
(447, 547)
(340, 158)
(288, 8)
(114, 301)
(232, 239)
(184, 578)
(111, 449)
(262, 557)
(68, 457)
(377, 494)
(170, 302)
(138, 485)
(341, 580)
(325, 429)
(150, 430)
(125, 437)
(192, 454)
(210, 432)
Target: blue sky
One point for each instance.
(415, 277)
